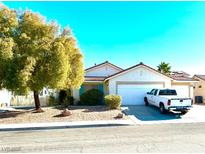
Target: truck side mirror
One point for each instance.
(148, 93)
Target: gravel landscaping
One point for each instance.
(53, 114)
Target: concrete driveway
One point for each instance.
(151, 115)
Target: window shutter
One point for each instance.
(101, 88)
(81, 89)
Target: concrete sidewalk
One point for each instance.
(59, 125)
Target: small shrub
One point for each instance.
(91, 97)
(69, 100)
(65, 99)
(52, 101)
(62, 96)
(113, 101)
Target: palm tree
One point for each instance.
(164, 68)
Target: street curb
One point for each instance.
(63, 125)
(132, 117)
(60, 127)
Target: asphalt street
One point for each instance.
(140, 138)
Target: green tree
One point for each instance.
(164, 68)
(35, 54)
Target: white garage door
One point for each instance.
(133, 94)
(182, 91)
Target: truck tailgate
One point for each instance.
(181, 102)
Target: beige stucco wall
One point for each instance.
(76, 94)
(189, 86)
(199, 91)
(139, 74)
(104, 70)
(106, 88)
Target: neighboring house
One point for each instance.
(180, 74)
(184, 81)
(199, 88)
(9, 99)
(132, 83)
(28, 100)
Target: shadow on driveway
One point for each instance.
(149, 113)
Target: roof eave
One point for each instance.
(131, 68)
(106, 62)
(199, 77)
(94, 81)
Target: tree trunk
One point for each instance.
(37, 101)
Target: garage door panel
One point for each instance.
(133, 94)
(140, 86)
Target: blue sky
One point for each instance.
(126, 33)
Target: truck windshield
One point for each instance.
(167, 92)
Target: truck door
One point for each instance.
(150, 98)
(155, 97)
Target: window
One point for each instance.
(155, 93)
(167, 92)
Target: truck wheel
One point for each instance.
(146, 101)
(162, 109)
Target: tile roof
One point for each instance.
(200, 76)
(180, 73)
(176, 75)
(106, 62)
(181, 76)
(134, 67)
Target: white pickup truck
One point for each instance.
(167, 100)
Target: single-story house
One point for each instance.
(132, 83)
(7, 98)
(199, 88)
